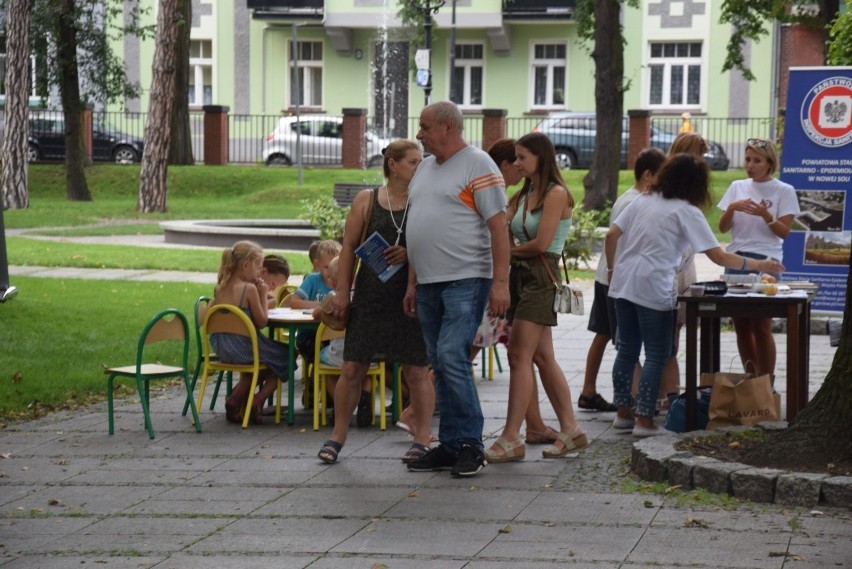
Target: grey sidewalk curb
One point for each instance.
(657, 459)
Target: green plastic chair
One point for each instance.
(168, 325)
(200, 303)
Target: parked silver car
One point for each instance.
(573, 134)
(320, 139)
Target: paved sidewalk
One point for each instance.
(73, 496)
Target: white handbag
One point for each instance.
(567, 300)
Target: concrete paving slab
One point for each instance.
(592, 509)
(526, 542)
(743, 519)
(65, 561)
(348, 561)
(819, 552)
(40, 469)
(63, 500)
(280, 535)
(330, 502)
(237, 561)
(467, 503)
(434, 538)
(682, 546)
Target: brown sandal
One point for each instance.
(570, 441)
(546, 437)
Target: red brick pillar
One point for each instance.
(639, 134)
(216, 135)
(354, 138)
(86, 123)
(801, 46)
(493, 126)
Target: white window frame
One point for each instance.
(32, 93)
(312, 95)
(197, 65)
(549, 64)
(667, 64)
(468, 65)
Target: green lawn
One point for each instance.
(57, 334)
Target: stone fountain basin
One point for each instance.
(290, 234)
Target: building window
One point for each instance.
(32, 89)
(200, 72)
(675, 74)
(548, 67)
(306, 74)
(467, 75)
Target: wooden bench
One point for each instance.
(344, 193)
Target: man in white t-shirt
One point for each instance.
(458, 250)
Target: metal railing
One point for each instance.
(248, 133)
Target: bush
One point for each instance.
(583, 242)
(325, 215)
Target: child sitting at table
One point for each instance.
(313, 289)
(331, 354)
(275, 272)
(239, 284)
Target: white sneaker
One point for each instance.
(643, 432)
(623, 424)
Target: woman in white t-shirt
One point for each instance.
(652, 234)
(758, 212)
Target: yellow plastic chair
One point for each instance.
(283, 294)
(321, 371)
(168, 325)
(230, 319)
(492, 355)
(203, 302)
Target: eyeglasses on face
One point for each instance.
(758, 142)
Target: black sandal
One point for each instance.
(328, 452)
(415, 452)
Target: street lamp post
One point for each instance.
(428, 10)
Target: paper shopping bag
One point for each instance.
(741, 399)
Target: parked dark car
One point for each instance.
(573, 134)
(47, 142)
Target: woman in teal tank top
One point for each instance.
(540, 216)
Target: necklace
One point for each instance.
(393, 219)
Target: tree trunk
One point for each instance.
(180, 140)
(153, 177)
(69, 92)
(820, 433)
(601, 183)
(13, 174)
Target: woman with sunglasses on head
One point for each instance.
(655, 230)
(758, 212)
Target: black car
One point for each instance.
(47, 142)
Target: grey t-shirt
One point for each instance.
(447, 235)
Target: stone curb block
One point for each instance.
(755, 484)
(649, 457)
(715, 475)
(657, 460)
(837, 491)
(798, 489)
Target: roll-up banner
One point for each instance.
(816, 159)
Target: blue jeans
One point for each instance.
(449, 313)
(638, 325)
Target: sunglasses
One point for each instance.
(757, 142)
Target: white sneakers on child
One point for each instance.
(622, 424)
